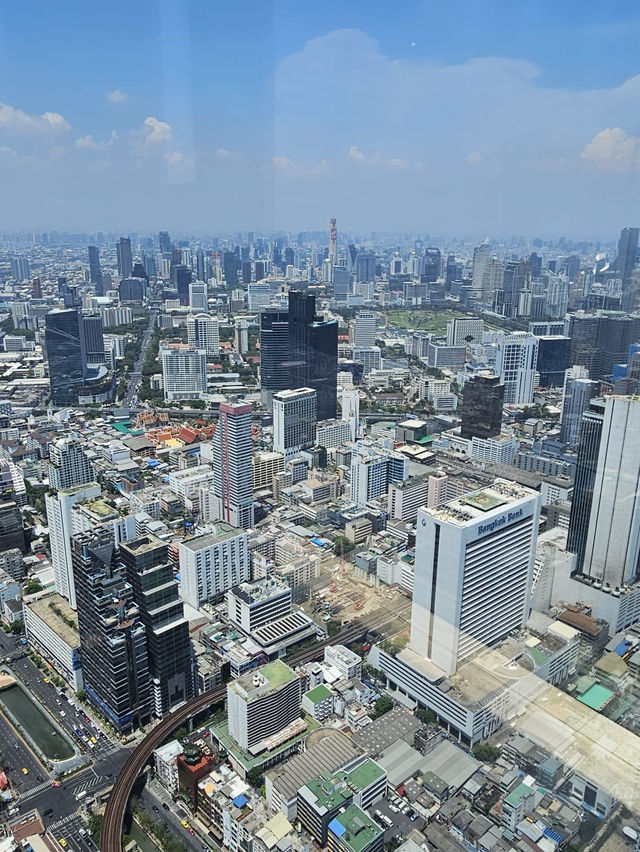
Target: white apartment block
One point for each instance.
(516, 361)
(188, 482)
(250, 605)
(203, 332)
(364, 328)
(184, 372)
(212, 564)
(331, 434)
(347, 662)
(461, 328)
(116, 316)
(502, 449)
(294, 421)
(51, 627)
(405, 497)
(265, 466)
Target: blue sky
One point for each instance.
(467, 118)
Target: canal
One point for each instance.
(35, 724)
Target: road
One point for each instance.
(135, 376)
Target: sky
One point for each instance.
(457, 117)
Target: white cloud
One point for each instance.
(15, 120)
(474, 157)
(398, 163)
(286, 164)
(613, 150)
(355, 153)
(8, 151)
(222, 153)
(116, 96)
(89, 143)
(155, 131)
(282, 162)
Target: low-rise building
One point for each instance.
(166, 764)
(51, 627)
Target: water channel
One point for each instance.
(35, 724)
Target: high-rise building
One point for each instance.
(184, 372)
(364, 328)
(181, 277)
(20, 268)
(333, 241)
(612, 547)
(516, 278)
(578, 391)
(627, 253)
(313, 352)
(69, 464)
(60, 522)
(366, 266)
(212, 564)
(149, 572)
(164, 242)
(295, 416)
(464, 330)
(124, 256)
(351, 411)
(203, 332)
(476, 558)
(598, 341)
(95, 272)
(263, 702)
(11, 527)
(432, 265)
(516, 359)
(341, 283)
(230, 268)
(232, 451)
(198, 297)
(554, 354)
(93, 339)
(115, 662)
(66, 354)
(482, 404)
(274, 352)
(373, 470)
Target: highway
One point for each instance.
(116, 806)
(135, 376)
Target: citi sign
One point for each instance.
(502, 521)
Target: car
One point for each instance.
(165, 806)
(46, 680)
(24, 770)
(62, 713)
(62, 842)
(56, 784)
(184, 823)
(156, 809)
(93, 740)
(48, 812)
(414, 817)
(191, 831)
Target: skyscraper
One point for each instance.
(230, 267)
(475, 557)
(203, 332)
(294, 421)
(274, 352)
(155, 590)
(554, 353)
(432, 265)
(115, 662)
(516, 359)
(181, 277)
(627, 253)
(184, 372)
(93, 339)
(69, 464)
(333, 241)
(612, 548)
(364, 328)
(125, 258)
(313, 352)
(232, 452)
(578, 391)
(198, 300)
(95, 273)
(66, 354)
(516, 278)
(351, 410)
(482, 404)
(366, 266)
(164, 242)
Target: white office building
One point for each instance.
(69, 464)
(364, 328)
(331, 434)
(474, 563)
(460, 329)
(184, 372)
(212, 564)
(371, 357)
(348, 663)
(198, 296)
(516, 361)
(203, 332)
(251, 605)
(59, 520)
(294, 421)
(351, 411)
(405, 497)
(51, 627)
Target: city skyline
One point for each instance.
(433, 118)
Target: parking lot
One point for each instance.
(401, 823)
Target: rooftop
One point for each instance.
(261, 681)
(596, 696)
(355, 829)
(223, 531)
(519, 793)
(56, 613)
(475, 505)
(318, 693)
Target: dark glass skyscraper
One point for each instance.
(125, 258)
(181, 277)
(66, 354)
(482, 404)
(155, 591)
(598, 341)
(164, 242)
(313, 352)
(94, 340)
(627, 253)
(113, 639)
(432, 264)
(554, 353)
(274, 351)
(230, 267)
(95, 273)
(587, 463)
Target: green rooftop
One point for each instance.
(482, 500)
(516, 796)
(355, 830)
(318, 693)
(364, 775)
(277, 673)
(538, 656)
(596, 696)
(330, 791)
(265, 758)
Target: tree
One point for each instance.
(333, 627)
(94, 824)
(485, 752)
(15, 627)
(255, 777)
(427, 717)
(32, 586)
(383, 705)
(342, 544)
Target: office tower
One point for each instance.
(464, 330)
(132, 289)
(66, 354)
(164, 242)
(366, 266)
(198, 296)
(93, 339)
(11, 529)
(554, 354)
(125, 259)
(115, 663)
(515, 279)
(20, 268)
(516, 359)
(612, 546)
(627, 253)
(230, 268)
(212, 564)
(578, 391)
(181, 277)
(395, 264)
(475, 557)
(313, 352)
(184, 372)
(246, 272)
(600, 341)
(492, 280)
(259, 270)
(294, 421)
(149, 572)
(201, 271)
(60, 525)
(241, 335)
(364, 328)
(352, 257)
(274, 352)
(333, 242)
(341, 283)
(369, 356)
(351, 411)
(482, 404)
(432, 265)
(452, 271)
(203, 332)
(372, 471)
(95, 273)
(535, 265)
(69, 464)
(232, 451)
(263, 702)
